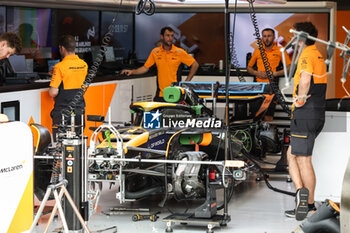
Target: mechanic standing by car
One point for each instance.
(308, 117)
(167, 58)
(67, 78)
(274, 57)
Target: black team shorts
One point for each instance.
(303, 134)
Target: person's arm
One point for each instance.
(193, 70)
(252, 62)
(304, 86)
(56, 81)
(53, 92)
(141, 70)
(260, 74)
(252, 71)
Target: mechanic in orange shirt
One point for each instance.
(67, 78)
(167, 58)
(308, 118)
(274, 57)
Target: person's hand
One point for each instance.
(299, 101)
(126, 72)
(261, 74)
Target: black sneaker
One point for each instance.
(302, 207)
(291, 213)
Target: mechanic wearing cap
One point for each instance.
(168, 59)
(274, 57)
(67, 78)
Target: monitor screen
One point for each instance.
(18, 63)
(32, 25)
(82, 24)
(122, 39)
(11, 109)
(201, 34)
(245, 41)
(51, 63)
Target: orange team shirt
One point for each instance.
(71, 71)
(168, 64)
(274, 56)
(311, 61)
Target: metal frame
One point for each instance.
(58, 198)
(300, 36)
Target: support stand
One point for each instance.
(227, 82)
(206, 214)
(58, 197)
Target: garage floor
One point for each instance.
(253, 209)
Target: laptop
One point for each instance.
(19, 67)
(18, 72)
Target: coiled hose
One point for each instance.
(274, 87)
(66, 112)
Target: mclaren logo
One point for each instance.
(11, 168)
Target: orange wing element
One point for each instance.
(265, 105)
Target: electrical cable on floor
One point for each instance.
(265, 177)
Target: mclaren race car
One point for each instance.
(180, 129)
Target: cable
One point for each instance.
(274, 87)
(346, 91)
(233, 52)
(265, 176)
(344, 97)
(143, 7)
